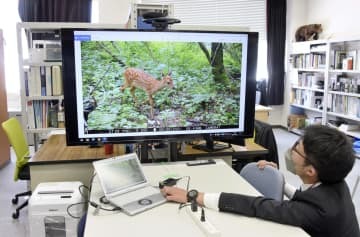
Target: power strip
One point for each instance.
(206, 227)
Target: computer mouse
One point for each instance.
(168, 182)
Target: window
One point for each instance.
(230, 13)
(9, 16)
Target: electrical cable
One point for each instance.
(70, 206)
(92, 203)
(181, 205)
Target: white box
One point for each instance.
(48, 209)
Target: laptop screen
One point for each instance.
(119, 173)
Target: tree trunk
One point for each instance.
(217, 62)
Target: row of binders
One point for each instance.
(311, 61)
(342, 104)
(311, 99)
(45, 114)
(43, 81)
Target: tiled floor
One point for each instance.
(19, 227)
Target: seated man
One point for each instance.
(323, 207)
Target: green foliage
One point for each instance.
(195, 96)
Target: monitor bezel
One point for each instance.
(69, 81)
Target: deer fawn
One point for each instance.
(137, 78)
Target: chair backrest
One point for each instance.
(268, 181)
(265, 137)
(355, 187)
(18, 141)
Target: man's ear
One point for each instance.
(311, 171)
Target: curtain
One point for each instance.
(276, 30)
(55, 10)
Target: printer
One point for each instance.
(54, 208)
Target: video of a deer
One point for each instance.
(137, 78)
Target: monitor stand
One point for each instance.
(211, 146)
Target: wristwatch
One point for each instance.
(192, 195)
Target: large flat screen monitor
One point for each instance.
(125, 86)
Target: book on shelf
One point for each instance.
(48, 80)
(339, 56)
(34, 81)
(43, 81)
(351, 57)
(57, 87)
(30, 114)
(357, 60)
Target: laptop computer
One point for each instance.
(125, 185)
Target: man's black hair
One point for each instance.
(329, 151)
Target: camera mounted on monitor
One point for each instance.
(158, 20)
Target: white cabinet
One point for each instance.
(325, 82)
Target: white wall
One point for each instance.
(114, 11)
(339, 19)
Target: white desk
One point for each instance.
(166, 220)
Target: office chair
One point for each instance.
(355, 187)
(265, 137)
(269, 181)
(17, 140)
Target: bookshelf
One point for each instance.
(40, 65)
(325, 82)
(39, 50)
(308, 61)
(344, 85)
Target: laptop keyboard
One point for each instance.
(135, 195)
(144, 204)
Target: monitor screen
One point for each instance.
(123, 86)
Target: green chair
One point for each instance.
(18, 141)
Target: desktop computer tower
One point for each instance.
(48, 209)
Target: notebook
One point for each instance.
(125, 185)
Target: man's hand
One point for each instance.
(262, 163)
(174, 194)
(179, 195)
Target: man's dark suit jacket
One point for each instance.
(326, 210)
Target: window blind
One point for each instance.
(235, 13)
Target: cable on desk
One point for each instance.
(70, 206)
(181, 205)
(97, 206)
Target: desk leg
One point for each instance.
(36, 142)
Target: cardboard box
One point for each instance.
(296, 121)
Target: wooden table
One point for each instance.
(56, 150)
(55, 161)
(228, 155)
